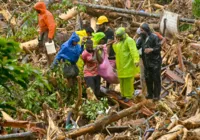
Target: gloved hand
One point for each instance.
(137, 64)
(50, 40)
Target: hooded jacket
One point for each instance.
(96, 38)
(126, 57)
(68, 51)
(45, 19)
(153, 59)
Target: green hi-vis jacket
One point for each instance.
(126, 57)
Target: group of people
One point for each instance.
(89, 49)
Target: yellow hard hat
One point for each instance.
(101, 20)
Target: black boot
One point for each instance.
(149, 97)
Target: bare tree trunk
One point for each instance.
(100, 124)
(18, 136)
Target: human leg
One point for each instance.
(97, 80)
(149, 82)
(157, 83)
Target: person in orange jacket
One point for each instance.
(47, 26)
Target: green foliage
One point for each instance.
(6, 107)
(25, 34)
(10, 70)
(91, 108)
(164, 1)
(62, 7)
(34, 87)
(196, 8)
(185, 27)
(68, 94)
(28, 29)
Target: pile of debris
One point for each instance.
(176, 115)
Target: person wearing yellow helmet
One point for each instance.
(102, 24)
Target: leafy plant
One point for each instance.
(69, 94)
(196, 8)
(92, 108)
(5, 107)
(28, 30)
(185, 27)
(22, 82)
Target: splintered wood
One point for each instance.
(175, 116)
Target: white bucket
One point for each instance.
(50, 47)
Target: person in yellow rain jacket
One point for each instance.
(127, 62)
(83, 34)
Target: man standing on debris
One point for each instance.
(127, 61)
(102, 23)
(47, 27)
(152, 61)
(91, 59)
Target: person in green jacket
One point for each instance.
(127, 62)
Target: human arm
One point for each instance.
(133, 51)
(156, 46)
(50, 22)
(99, 54)
(139, 43)
(58, 57)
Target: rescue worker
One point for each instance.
(47, 27)
(152, 61)
(98, 38)
(69, 54)
(127, 61)
(92, 59)
(102, 23)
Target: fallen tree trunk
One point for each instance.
(29, 46)
(100, 124)
(17, 124)
(18, 136)
(127, 11)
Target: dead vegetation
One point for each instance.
(175, 116)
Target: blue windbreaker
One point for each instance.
(68, 51)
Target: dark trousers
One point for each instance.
(153, 81)
(94, 83)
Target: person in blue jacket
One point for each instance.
(69, 54)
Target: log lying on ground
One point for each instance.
(29, 46)
(70, 14)
(19, 124)
(100, 124)
(127, 11)
(19, 136)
